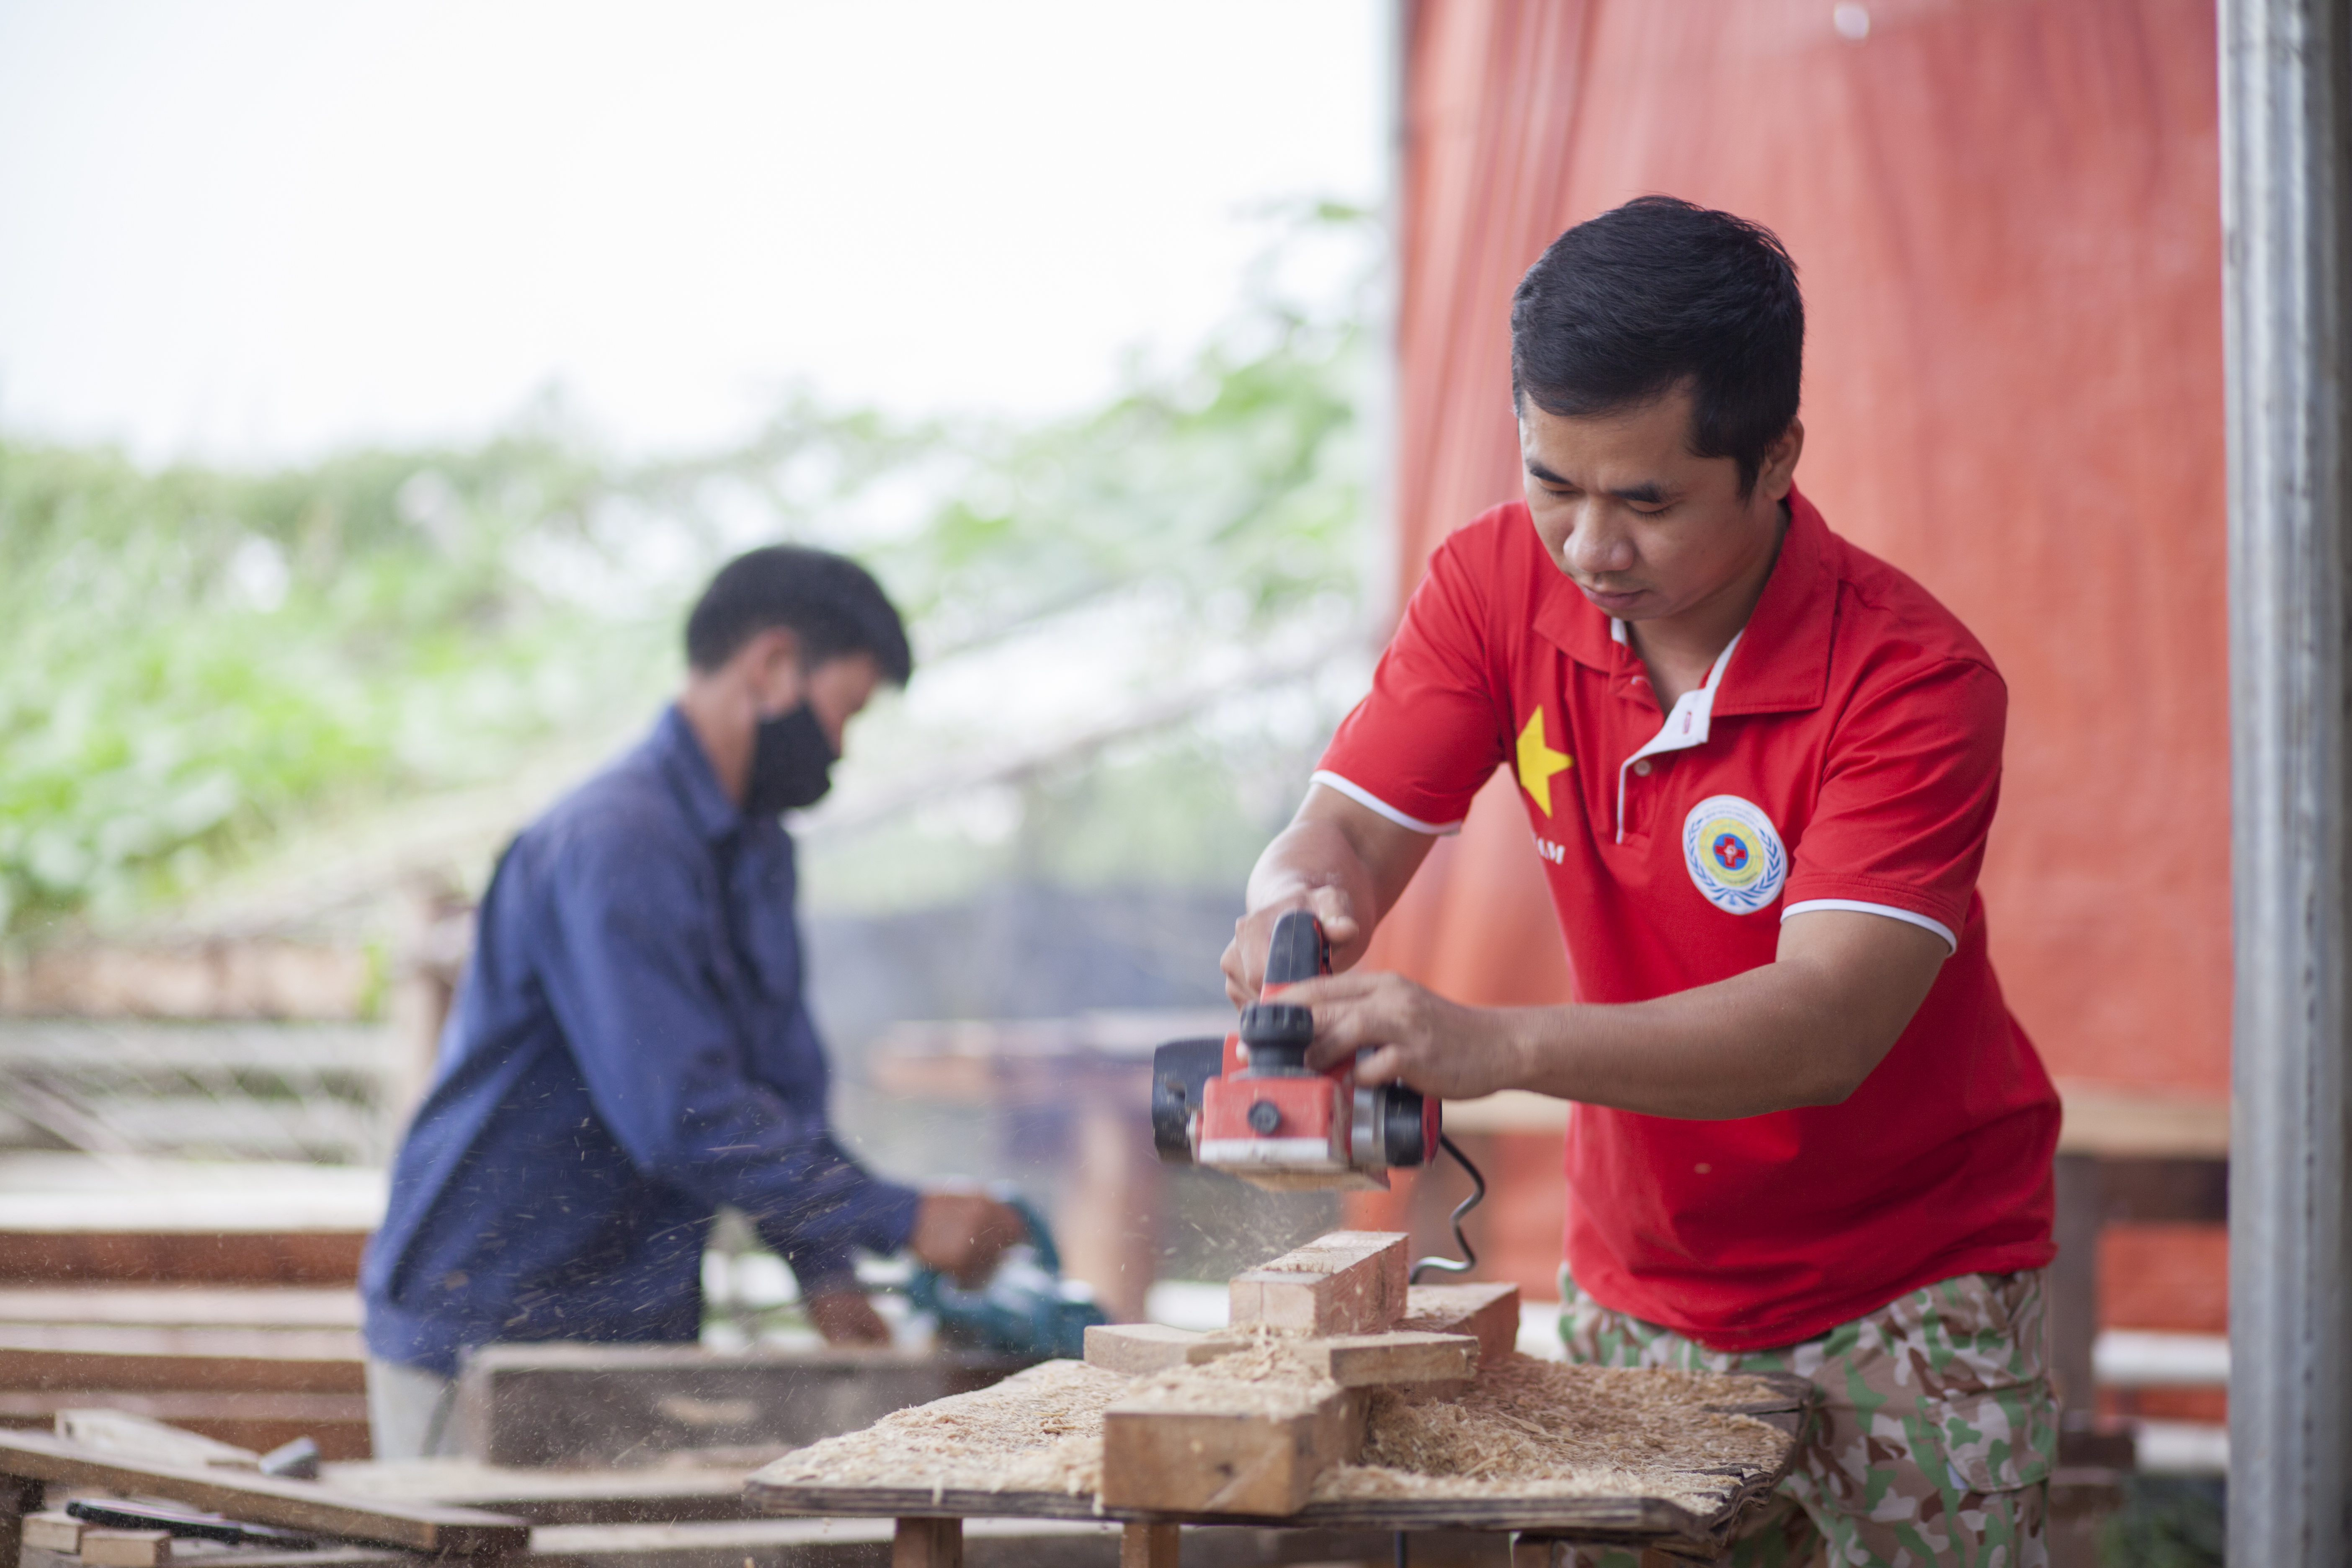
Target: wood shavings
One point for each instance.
(1267, 1377)
(1541, 1428)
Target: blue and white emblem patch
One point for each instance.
(1734, 854)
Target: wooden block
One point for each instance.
(126, 1548)
(1349, 1282)
(1367, 1360)
(1197, 1458)
(1137, 1349)
(1149, 1546)
(927, 1544)
(53, 1531)
(1489, 1313)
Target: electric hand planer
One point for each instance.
(1249, 1105)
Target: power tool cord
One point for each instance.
(1469, 1259)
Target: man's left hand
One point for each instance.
(1418, 1037)
(847, 1318)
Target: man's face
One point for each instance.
(836, 690)
(839, 690)
(1646, 528)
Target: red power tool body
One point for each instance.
(1263, 1115)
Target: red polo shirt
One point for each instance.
(1844, 755)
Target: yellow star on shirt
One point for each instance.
(1538, 761)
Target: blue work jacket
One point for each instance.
(630, 1048)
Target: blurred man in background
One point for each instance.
(632, 1047)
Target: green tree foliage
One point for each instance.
(195, 658)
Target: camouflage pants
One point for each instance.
(1932, 1443)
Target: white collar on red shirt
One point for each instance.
(1684, 728)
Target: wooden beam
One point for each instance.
(1489, 1313)
(1149, 1546)
(193, 1257)
(1368, 1361)
(34, 1456)
(1199, 1458)
(1351, 1360)
(927, 1544)
(1347, 1282)
(256, 1421)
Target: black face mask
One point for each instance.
(791, 765)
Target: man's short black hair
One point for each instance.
(1655, 294)
(831, 604)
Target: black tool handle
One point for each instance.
(1299, 949)
(1279, 1033)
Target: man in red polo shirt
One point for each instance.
(1759, 766)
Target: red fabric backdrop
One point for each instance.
(2005, 214)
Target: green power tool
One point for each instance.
(1026, 1309)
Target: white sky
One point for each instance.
(255, 228)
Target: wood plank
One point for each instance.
(927, 1544)
(664, 1494)
(256, 1421)
(35, 1356)
(1241, 1460)
(263, 1499)
(1352, 1360)
(1488, 1313)
(193, 1306)
(1368, 1361)
(143, 1437)
(1347, 1282)
(1138, 1349)
(192, 1257)
(2104, 1119)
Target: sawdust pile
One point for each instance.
(1541, 1428)
(1037, 1431)
(1525, 1428)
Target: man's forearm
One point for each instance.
(1742, 1047)
(1805, 1030)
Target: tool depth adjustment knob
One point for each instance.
(1278, 1035)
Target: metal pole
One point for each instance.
(2287, 193)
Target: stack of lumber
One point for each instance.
(250, 1366)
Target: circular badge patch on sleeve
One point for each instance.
(1735, 854)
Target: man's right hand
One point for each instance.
(962, 1234)
(1244, 960)
(1339, 860)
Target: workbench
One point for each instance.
(930, 1517)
